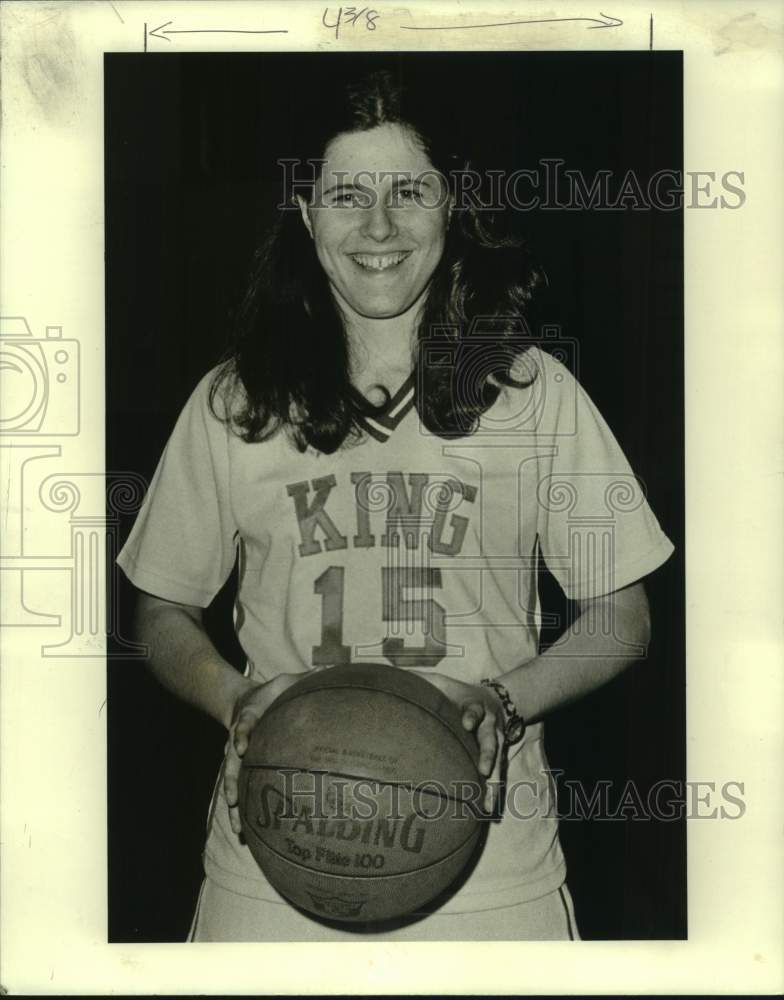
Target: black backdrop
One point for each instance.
(191, 182)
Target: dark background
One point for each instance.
(191, 183)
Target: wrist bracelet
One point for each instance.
(514, 728)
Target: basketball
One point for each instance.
(359, 793)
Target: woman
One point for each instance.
(388, 454)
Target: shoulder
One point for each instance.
(542, 395)
(219, 394)
(205, 417)
(536, 363)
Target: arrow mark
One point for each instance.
(163, 30)
(609, 22)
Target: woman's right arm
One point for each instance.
(182, 657)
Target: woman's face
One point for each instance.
(378, 219)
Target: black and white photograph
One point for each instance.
(406, 384)
(389, 552)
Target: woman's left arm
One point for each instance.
(607, 636)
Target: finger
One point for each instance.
(231, 774)
(231, 788)
(491, 798)
(245, 723)
(493, 790)
(487, 738)
(473, 714)
(230, 779)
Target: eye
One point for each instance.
(406, 196)
(352, 198)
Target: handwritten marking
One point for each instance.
(163, 30)
(160, 27)
(611, 22)
(650, 35)
(227, 31)
(352, 15)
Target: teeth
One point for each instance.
(378, 262)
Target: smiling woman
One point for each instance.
(407, 531)
(392, 247)
(379, 252)
(379, 232)
(379, 223)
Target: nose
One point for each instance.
(378, 222)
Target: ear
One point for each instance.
(304, 211)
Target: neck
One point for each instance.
(380, 346)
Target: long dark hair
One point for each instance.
(290, 356)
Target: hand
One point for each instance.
(248, 709)
(482, 713)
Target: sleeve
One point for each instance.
(595, 528)
(182, 545)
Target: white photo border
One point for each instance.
(53, 894)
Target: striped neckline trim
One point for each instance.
(381, 424)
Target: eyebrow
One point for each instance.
(422, 180)
(342, 187)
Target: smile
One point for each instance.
(379, 261)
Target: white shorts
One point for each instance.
(226, 916)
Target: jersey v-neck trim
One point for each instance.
(381, 424)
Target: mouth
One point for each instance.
(380, 261)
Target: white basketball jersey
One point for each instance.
(406, 549)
